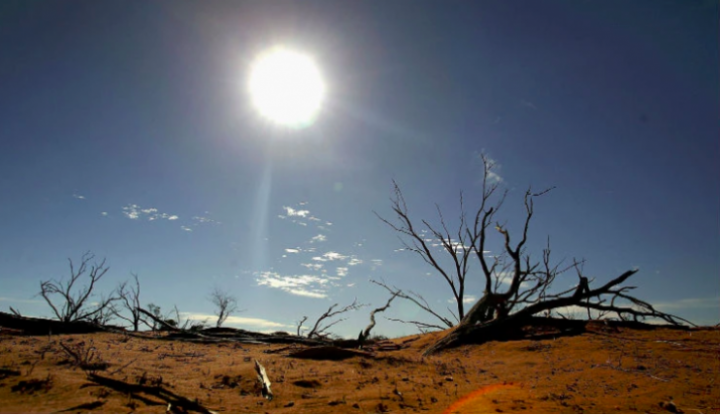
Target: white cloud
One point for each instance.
(104, 213)
(493, 175)
(330, 256)
(318, 238)
(292, 250)
(302, 285)
(202, 219)
(342, 271)
(185, 228)
(131, 211)
(354, 261)
(135, 212)
(77, 196)
(292, 212)
(20, 300)
(316, 267)
(689, 303)
(237, 321)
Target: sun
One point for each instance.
(286, 87)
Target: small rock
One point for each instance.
(356, 406)
(289, 404)
(671, 407)
(449, 378)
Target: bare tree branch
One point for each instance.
(72, 307)
(364, 334)
(319, 331)
(516, 286)
(226, 304)
(420, 302)
(130, 300)
(299, 325)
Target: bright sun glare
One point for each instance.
(286, 87)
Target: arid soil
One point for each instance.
(605, 369)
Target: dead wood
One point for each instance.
(42, 326)
(157, 391)
(364, 334)
(72, 307)
(130, 301)
(162, 323)
(319, 331)
(327, 353)
(264, 381)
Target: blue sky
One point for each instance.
(126, 129)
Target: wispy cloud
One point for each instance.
(77, 196)
(136, 212)
(203, 219)
(237, 321)
(301, 216)
(292, 250)
(468, 299)
(302, 285)
(342, 271)
(493, 175)
(354, 261)
(104, 213)
(315, 267)
(528, 104)
(185, 228)
(318, 238)
(688, 303)
(293, 212)
(330, 256)
(20, 300)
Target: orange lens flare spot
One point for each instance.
(473, 402)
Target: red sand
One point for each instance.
(604, 370)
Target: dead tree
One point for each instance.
(516, 287)
(364, 334)
(130, 300)
(155, 315)
(420, 301)
(167, 323)
(319, 331)
(73, 303)
(299, 325)
(226, 304)
(459, 245)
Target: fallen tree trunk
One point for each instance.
(43, 326)
(468, 331)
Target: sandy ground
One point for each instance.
(602, 370)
